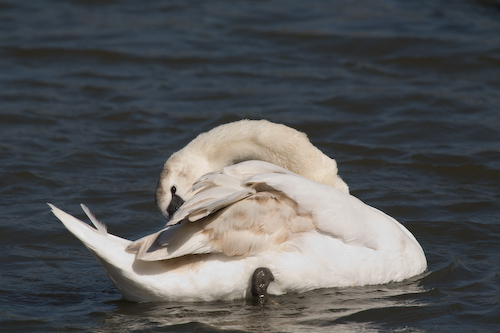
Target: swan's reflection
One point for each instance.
(324, 310)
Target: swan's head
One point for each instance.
(242, 141)
(178, 175)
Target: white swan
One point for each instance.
(250, 215)
(239, 141)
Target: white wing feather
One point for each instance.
(101, 227)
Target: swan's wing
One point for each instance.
(253, 206)
(220, 189)
(212, 191)
(172, 242)
(238, 220)
(334, 212)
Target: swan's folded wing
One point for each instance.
(208, 202)
(220, 189)
(245, 225)
(214, 192)
(230, 233)
(334, 212)
(172, 242)
(212, 179)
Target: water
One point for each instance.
(95, 95)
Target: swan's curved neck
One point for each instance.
(266, 141)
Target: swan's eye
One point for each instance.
(173, 189)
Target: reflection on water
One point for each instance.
(319, 311)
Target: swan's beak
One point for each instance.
(174, 205)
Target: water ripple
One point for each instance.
(95, 96)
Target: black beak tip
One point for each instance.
(174, 205)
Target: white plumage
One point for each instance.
(256, 214)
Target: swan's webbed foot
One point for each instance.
(261, 278)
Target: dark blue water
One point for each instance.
(95, 95)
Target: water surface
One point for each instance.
(95, 95)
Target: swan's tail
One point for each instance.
(109, 250)
(97, 240)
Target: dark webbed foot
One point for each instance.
(261, 278)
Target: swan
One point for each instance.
(241, 141)
(252, 228)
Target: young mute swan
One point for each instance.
(237, 142)
(253, 228)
